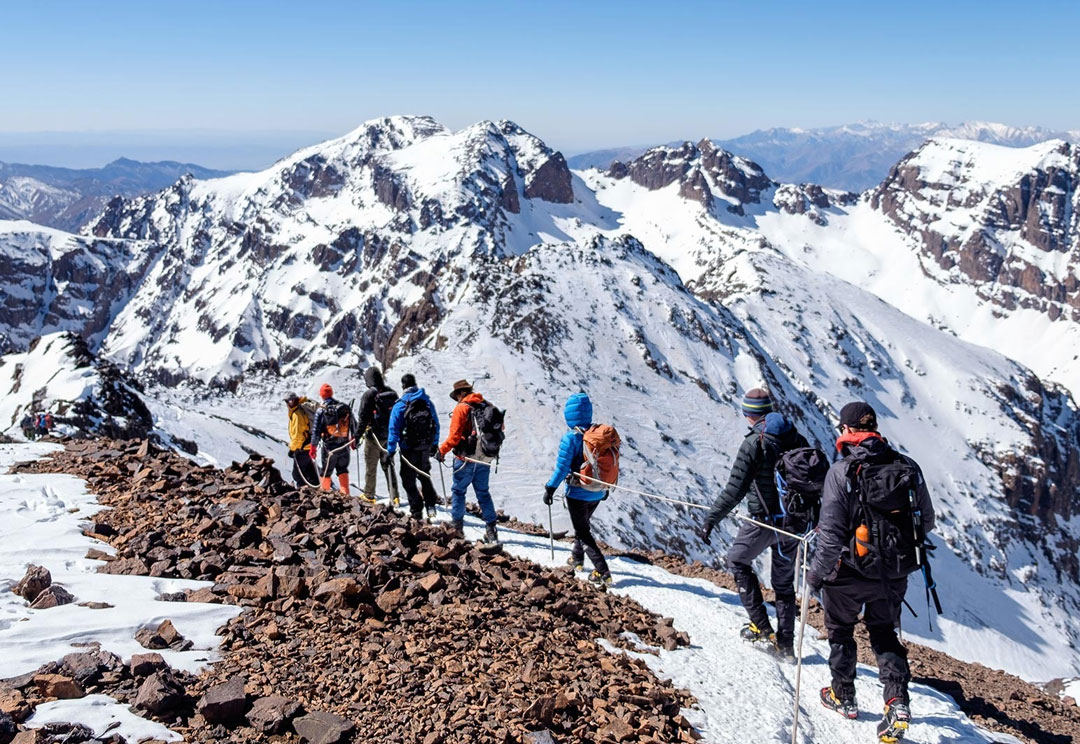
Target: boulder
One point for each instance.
(54, 596)
(225, 703)
(142, 665)
(13, 704)
(7, 728)
(323, 728)
(272, 714)
(36, 580)
(58, 686)
(160, 693)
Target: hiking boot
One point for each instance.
(491, 535)
(457, 526)
(368, 497)
(397, 501)
(846, 708)
(417, 516)
(599, 580)
(753, 634)
(576, 563)
(784, 651)
(431, 513)
(895, 723)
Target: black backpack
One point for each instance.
(336, 417)
(487, 435)
(384, 403)
(886, 534)
(800, 476)
(419, 425)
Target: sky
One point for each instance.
(243, 80)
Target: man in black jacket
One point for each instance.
(863, 557)
(753, 473)
(375, 407)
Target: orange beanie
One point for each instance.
(326, 391)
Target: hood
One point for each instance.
(863, 445)
(777, 426)
(412, 394)
(373, 377)
(472, 398)
(578, 411)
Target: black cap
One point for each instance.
(291, 397)
(859, 415)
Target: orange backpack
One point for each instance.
(600, 449)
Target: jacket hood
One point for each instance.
(776, 425)
(373, 377)
(472, 398)
(412, 394)
(578, 411)
(864, 446)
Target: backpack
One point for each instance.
(800, 476)
(487, 435)
(338, 418)
(887, 536)
(600, 458)
(419, 426)
(384, 404)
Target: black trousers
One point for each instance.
(303, 469)
(581, 518)
(880, 603)
(339, 461)
(750, 542)
(420, 459)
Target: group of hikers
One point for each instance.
(869, 512)
(36, 425)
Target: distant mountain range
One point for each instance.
(67, 198)
(854, 157)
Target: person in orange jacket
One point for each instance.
(462, 440)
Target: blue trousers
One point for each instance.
(466, 474)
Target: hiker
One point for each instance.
(474, 425)
(875, 513)
(44, 423)
(303, 468)
(375, 406)
(753, 473)
(335, 430)
(582, 495)
(27, 426)
(414, 424)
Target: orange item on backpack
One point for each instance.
(600, 448)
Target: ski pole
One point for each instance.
(442, 479)
(804, 609)
(551, 532)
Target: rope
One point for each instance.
(403, 458)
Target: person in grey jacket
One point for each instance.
(857, 570)
(753, 477)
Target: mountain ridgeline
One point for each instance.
(664, 286)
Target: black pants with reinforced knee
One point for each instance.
(751, 541)
(842, 600)
(422, 461)
(580, 517)
(303, 469)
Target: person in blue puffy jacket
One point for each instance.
(581, 503)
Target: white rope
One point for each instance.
(403, 458)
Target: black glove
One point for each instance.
(435, 452)
(386, 459)
(705, 532)
(549, 494)
(440, 456)
(291, 454)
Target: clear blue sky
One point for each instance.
(579, 74)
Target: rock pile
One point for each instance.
(362, 625)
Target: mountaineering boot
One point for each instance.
(343, 482)
(599, 580)
(368, 497)
(753, 634)
(324, 483)
(431, 513)
(846, 708)
(417, 516)
(397, 501)
(784, 651)
(895, 723)
(457, 526)
(491, 535)
(575, 563)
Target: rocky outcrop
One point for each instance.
(811, 200)
(1012, 230)
(551, 181)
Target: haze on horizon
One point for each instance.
(237, 85)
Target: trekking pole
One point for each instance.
(804, 609)
(551, 532)
(442, 480)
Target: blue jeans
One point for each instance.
(466, 473)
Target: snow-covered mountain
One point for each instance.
(66, 198)
(853, 157)
(664, 287)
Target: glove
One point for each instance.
(353, 445)
(549, 494)
(312, 450)
(814, 581)
(440, 456)
(435, 452)
(705, 532)
(386, 459)
(292, 454)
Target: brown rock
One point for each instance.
(159, 693)
(36, 580)
(58, 686)
(389, 601)
(54, 596)
(142, 665)
(271, 715)
(323, 728)
(225, 703)
(343, 586)
(13, 703)
(432, 582)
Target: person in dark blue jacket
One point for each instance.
(581, 503)
(414, 425)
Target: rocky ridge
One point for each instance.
(474, 646)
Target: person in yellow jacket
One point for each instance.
(303, 469)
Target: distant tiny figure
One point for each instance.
(28, 429)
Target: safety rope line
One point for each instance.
(403, 458)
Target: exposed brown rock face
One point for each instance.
(551, 181)
(1018, 242)
(349, 607)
